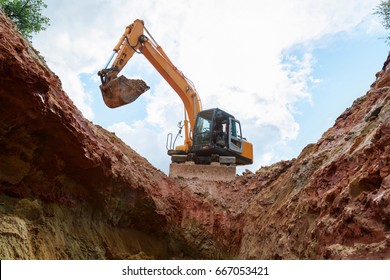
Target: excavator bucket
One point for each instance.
(122, 91)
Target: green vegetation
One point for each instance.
(26, 14)
(383, 10)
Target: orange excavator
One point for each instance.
(210, 136)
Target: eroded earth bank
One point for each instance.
(71, 190)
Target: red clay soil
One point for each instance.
(121, 91)
(92, 196)
(71, 190)
(334, 200)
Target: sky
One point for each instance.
(285, 68)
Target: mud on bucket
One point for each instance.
(122, 91)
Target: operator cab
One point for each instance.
(217, 134)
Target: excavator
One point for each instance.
(212, 138)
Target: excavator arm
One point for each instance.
(119, 91)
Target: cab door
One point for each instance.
(235, 136)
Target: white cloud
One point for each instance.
(236, 53)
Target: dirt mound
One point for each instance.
(71, 190)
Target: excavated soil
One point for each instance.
(121, 91)
(71, 190)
